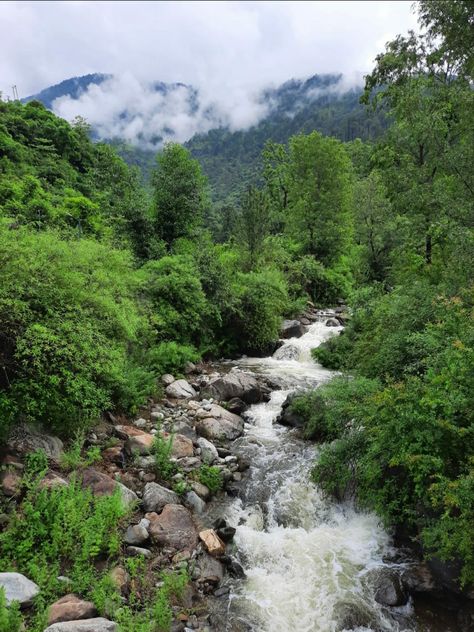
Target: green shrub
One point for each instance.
(170, 357)
(10, 616)
(162, 450)
(211, 477)
(69, 318)
(62, 529)
(262, 301)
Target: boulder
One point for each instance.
(201, 490)
(52, 480)
(10, 482)
(236, 406)
(209, 568)
(287, 417)
(19, 588)
(137, 551)
(209, 452)
(212, 542)
(167, 379)
(332, 322)
(180, 389)
(103, 485)
(86, 625)
(71, 608)
(291, 329)
(181, 447)
(113, 454)
(194, 502)
(155, 497)
(29, 439)
(389, 589)
(236, 384)
(137, 534)
(287, 351)
(120, 579)
(140, 443)
(174, 527)
(219, 429)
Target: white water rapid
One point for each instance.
(310, 563)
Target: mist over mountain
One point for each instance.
(139, 117)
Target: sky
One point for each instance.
(228, 50)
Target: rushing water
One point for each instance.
(310, 563)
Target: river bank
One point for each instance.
(266, 553)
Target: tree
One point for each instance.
(374, 229)
(320, 213)
(180, 194)
(254, 223)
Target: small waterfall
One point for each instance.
(308, 560)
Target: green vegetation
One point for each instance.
(162, 449)
(106, 284)
(211, 477)
(399, 435)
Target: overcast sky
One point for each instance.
(228, 50)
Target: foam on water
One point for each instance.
(307, 560)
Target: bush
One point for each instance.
(170, 357)
(162, 450)
(211, 477)
(262, 301)
(10, 616)
(178, 302)
(68, 317)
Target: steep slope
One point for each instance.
(230, 157)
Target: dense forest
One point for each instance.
(105, 285)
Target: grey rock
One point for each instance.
(291, 329)
(155, 415)
(236, 384)
(236, 406)
(332, 322)
(137, 551)
(194, 502)
(136, 534)
(146, 462)
(180, 389)
(219, 429)
(287, 351)
(209, 568)
(174, 527)
(167, 379)
(389, 589)
(201, 490)
(287, 417)
(18, 588)
(98, 624)
(155, 497)
(209, 452)
(30, 439)
(140, 423)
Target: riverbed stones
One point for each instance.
(155, 497)
(174, 527)
(287, 417)
(181, 446)
(137, 534)
(167, 379)
(71, 608)
(236, 406)
(236, 384)
(212, 542)
(98, 624)
(19, 588)
(136, 441)
(103, 485)
(180, 389)
(291, 329)
(194, 502)
(201, 490)
(29, 439)
(332, 322)
(219, 429)
(390, 590)
(209, 452)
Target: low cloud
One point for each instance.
(148, 113)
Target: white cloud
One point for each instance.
(227, 50)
